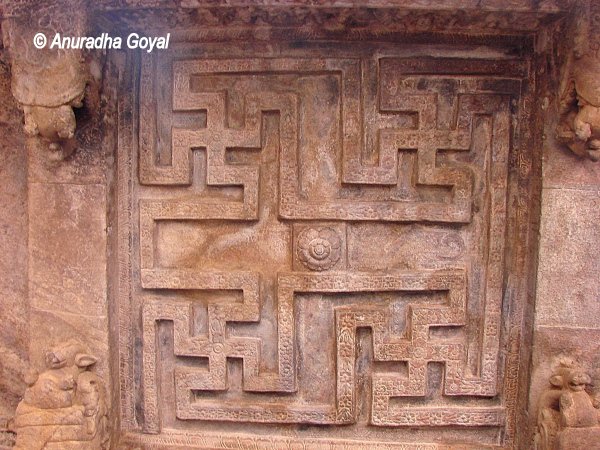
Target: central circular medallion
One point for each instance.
(319, 248)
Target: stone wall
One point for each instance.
(567, 308)
(60, 242)
(14, 310)
(54, 238)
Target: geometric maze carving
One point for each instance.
(418, 141)
(415, 348)
(426, 139)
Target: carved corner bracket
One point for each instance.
(65, 406)
(579, 126)
(49, 82)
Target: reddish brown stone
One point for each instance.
(304, 225)
(286, 204)
(569, 251)
(67, 245)
(579, 439)
(14, 308)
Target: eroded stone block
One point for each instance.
(568, 251)
(67, 248)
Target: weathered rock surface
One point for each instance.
(303, 225)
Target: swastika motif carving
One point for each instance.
(415, 349)
(322, 241)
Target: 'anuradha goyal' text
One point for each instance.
(106, 42)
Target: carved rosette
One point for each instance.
(319, 248)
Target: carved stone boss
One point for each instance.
(404, 129)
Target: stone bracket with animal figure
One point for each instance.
(65, 406)
(579, 102)
(568, 415)
(49, 83)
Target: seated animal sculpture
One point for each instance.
(64, 407)
(55, 388)
(568, 418)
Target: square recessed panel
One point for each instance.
(319, 249)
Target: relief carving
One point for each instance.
(319, 248)
(65, 406)
(568, 416)
(579, 127)
(49, 83)
(287, 204)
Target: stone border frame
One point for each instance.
(525, 167)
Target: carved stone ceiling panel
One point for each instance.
(317, 246)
